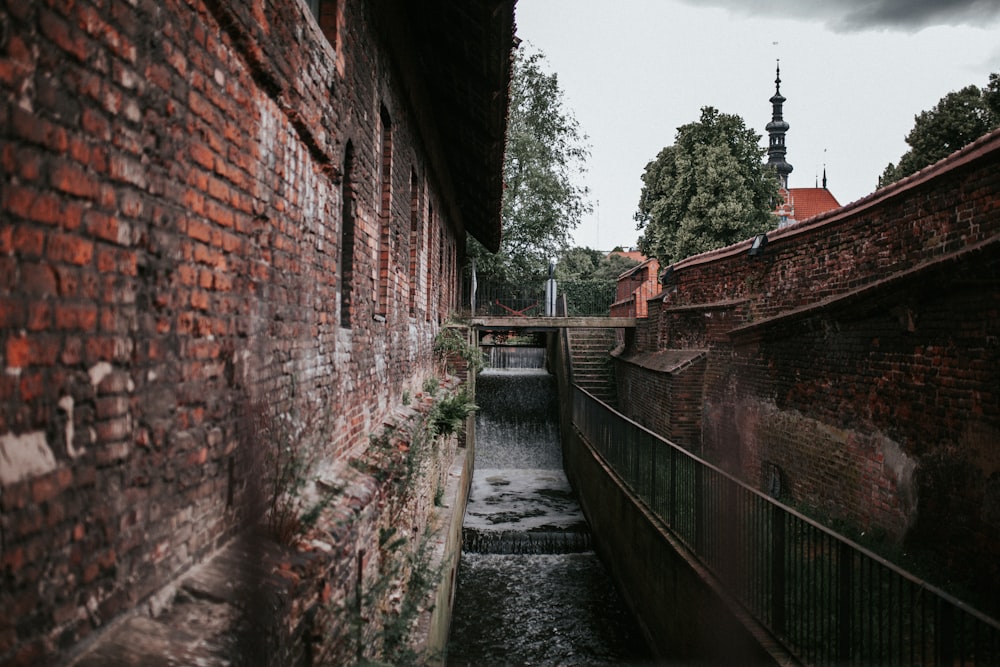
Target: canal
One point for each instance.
(531, 590)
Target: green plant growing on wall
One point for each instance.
(431, 385)
(284, 458)
(423, 577)
(448, 415)
(408, 568)
(454, 341)
(394, 458)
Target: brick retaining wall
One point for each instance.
(858, 358)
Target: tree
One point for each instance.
(545, 151)
(709, 189)
(588, 279)
(587, 264)
(958, 119)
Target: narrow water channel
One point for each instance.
(531, 590)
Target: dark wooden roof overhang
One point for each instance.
(454, 57)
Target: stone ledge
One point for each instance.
(251, 603)
(664, 361)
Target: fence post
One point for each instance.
(946, 634)
(472, 289)
(673, 489)
(778, 569)
(699, 510)
(845, 573)
(652, 476)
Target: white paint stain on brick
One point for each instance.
(24, 456)
(902, 469)
(66, 403)
(98, 372)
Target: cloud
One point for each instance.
(861, 15)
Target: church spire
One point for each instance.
(776, 131)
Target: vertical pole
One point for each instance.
(778, 569)
(652, 477)
(946, 634)
(358, 593)
(472, 290)
(845, 561)
(550, 291)
(699, 509)
(673, 488)
(845, 572)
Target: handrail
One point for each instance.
(829, 600)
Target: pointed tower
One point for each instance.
(776, 131)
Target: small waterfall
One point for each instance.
(521, 502)
(510, 542)
(530, 589)
(523, 511)
(515, 356)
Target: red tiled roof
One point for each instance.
(630, 254)
(807, 202)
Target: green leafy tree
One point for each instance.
(709, 189)
(587, 264)
(958, 119)
(545, 152)
(589, 278)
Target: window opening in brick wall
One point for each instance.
(453, 273)
(413, 273)
(326, 15)
(347, 216)
(430, 262)
(443, 281)
(384, 212)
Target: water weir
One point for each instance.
(530, 588)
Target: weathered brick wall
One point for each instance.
(859, 354)
(169, 252)
(676, 380)
(943, 210)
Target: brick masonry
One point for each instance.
(171, 253)
(857, 359)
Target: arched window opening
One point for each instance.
(348, 213)
(413, 274)
(384, 213)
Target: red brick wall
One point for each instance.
(169, 247)
(941, 211)
(860, 355)
(633, 291)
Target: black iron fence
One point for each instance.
(502, 299)
(583, 298)
(829, 600)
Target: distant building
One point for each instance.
(799, 203)
(631, 253)
(635, 286)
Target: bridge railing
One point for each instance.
(500, 299)
(829, 600)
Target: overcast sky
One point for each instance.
(854, 72)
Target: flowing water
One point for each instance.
(531, 591)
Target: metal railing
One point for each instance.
(829, 600)
(583, 297)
